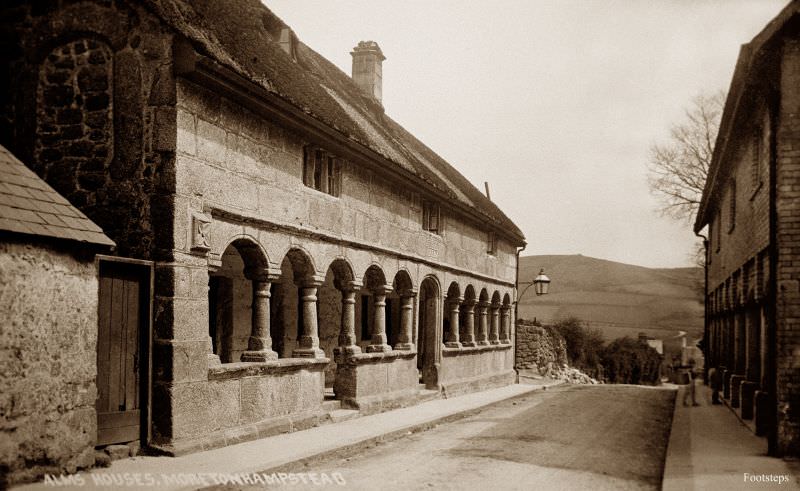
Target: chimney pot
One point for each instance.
(368, 69)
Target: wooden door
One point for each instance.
(122, 351)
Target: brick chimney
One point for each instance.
(368, 68)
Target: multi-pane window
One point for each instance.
(431, 217)
(322, 171)
(755, 165)
(732, 205)
(491, 242)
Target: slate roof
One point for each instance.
(28, 205)
(241, 35)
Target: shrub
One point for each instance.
(583, 345)
(630, 361)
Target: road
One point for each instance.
(568, 437)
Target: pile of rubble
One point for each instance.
(571, 375)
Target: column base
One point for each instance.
(494, 341)
(483, 343)
(378, 348)
(308, 353)
(213, 360)
(469, 344)
(347, 350)
(403, 347)
(505, 341)
(453, 344)
(259, 356)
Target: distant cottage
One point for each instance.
(751, 205)
(308, 253)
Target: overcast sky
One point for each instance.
(555, 103)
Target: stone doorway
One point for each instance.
(123, 351)
(428, 337)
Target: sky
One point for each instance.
(554, 103)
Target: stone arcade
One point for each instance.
(305, 246)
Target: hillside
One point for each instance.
(619, 299)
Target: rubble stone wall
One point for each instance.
(539, 348)
(48, 314)
(92, 111)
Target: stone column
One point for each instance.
(505, 324)
(452, 340)
(379, 344)
(494, 333)
(406, 322)
(347, 331)
(483, 324)
(308, 345)
(259, 345)
(469, 324)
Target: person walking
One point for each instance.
(689, 378)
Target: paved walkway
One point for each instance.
(710, 449)
(258, 455)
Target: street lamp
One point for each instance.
(541, 285)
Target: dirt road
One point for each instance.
(571, 437)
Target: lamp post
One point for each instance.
(541, 285)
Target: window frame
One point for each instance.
(732, 204)
(755, 164)
(322, 171)
(491, 243)
(431, 217)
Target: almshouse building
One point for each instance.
(751, 207)
(305, 246)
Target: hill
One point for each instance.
(619, 299)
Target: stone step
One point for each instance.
(340, 415)
(329, 406)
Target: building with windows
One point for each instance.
(308, 252)
(750, 206)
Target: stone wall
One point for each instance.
(539, 348)
(476, 368)
(48, 310)
(232, 159)
(89, 105)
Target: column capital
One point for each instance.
(214, 262)
(470, 302)
(261, 273)
(382, 289)
(348, 285)
(455, 300)
(407, 293)
(311, 281)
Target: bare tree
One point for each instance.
(679, 167)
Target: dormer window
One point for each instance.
(322, 171)
(431, 217)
